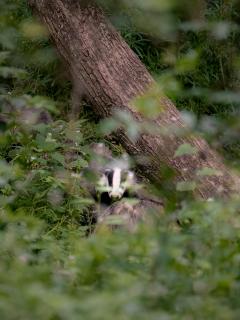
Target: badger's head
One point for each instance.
(115, 183)
(115, 179)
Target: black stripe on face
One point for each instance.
(109, 174)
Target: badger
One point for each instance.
(120, 198)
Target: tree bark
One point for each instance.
(110, 75)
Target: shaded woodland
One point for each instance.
(158, 80)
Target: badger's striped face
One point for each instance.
(116, 182)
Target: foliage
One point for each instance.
(165, 271)
(180, 265)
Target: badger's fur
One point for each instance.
(117, 191)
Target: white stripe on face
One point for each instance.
(116, 191)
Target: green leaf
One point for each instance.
(114, 220)
(186, 186)
(188, 62)
(11, 72)
(149, 106)
(206, 171)
(46, 144)
(133, 131)
(79, 163)
(109, 125)
(82, 202)
(185, 149)
(3, 56)
(41, 102)
(57, 156)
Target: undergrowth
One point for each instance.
(183, 264)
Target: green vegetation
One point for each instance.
(184, 265)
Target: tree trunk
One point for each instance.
(110, 75)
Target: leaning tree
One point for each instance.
(109, 75)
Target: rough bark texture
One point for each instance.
(110, 76)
